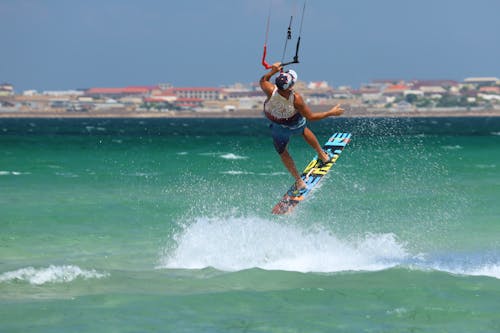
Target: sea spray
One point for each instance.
(238, 243)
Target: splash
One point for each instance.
(492, 270)
(51, 274)
(234, 244)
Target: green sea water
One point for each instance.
(164, 225)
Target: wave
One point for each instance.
(51, 274)
(226, 156)
(13, 173)
(492, 270)
(67, 174)
(231, 156)
(241, 243)
(239, 172)
(455, 147)
(486, 269)
(142, 174)
(235, 244)
(485, 166)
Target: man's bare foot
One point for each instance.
(324, 157)
(300, 184)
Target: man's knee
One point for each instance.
(280, 146)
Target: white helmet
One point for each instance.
(286, 79)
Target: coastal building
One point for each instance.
(490, 94)
(235, 94)
(318, 85)
(117, 93)
(6, 89)
(30, 92)
(490, 98)
(159, 96)
(482, 81)
(418, 93)
(63, 93)
(432, 90)
(437, 86)
(369, 95)
(490, 90)
(239, 91)
(188, 102)
(202, 93)
(395, 90)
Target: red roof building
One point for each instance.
(490, 90)
(396, 89)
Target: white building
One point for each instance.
(482, 81)
(6, 89)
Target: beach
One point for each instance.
(255, 113)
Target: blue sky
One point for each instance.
(69, 44)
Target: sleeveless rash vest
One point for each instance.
(280, 110)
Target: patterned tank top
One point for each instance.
(281, 110)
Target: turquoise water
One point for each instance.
(165, 226)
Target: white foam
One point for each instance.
(232, 156)
(277, 173)
(485, 166)
(142, 174)
(67, 174)
(239, 172)
(455, 147)
(491, 270)
(12, 173)
(236, 172)
(235, 244)
(51, 274)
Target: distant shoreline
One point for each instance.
(246, 114)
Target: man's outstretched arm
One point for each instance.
(306, 112)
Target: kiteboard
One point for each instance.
(313, 173)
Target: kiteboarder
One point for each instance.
(288, 114)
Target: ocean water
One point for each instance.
(164, 225)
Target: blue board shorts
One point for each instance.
(281, 133)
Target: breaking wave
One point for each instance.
(51, 274)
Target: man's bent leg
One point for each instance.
(313, 142)
(281, 137)
(290, 165)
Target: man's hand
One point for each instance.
(276, 67)
(336, 110)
